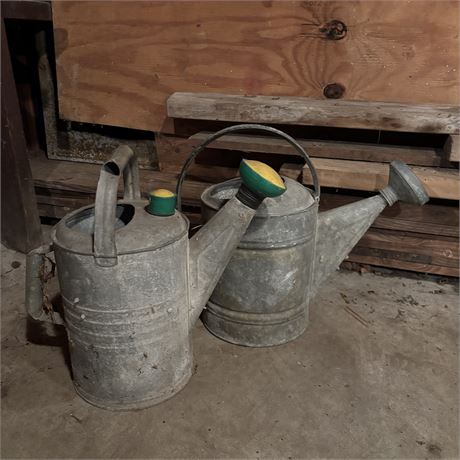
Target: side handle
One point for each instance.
(125, 161)
(36, 278)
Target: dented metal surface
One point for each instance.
(288, 251)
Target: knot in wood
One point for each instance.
(334, 30)
(334, 91)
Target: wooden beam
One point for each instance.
(421, 156)
(20, 223)
(414, 247)
(345, 174)
(304, 111)
(392, 259)
(430, 219)
(83, 177)
(452, 148)
(362, 175)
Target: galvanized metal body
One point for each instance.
(288, 251)
(128, 324)
(262, 296)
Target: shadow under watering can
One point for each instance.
(288, 251)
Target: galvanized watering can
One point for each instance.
(133, 284)
(288, 251)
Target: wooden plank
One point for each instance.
(452, 148)
(430, 219)
(421, 156)
(304, 111)
(362, 175)
(83, 177)
(20, 223)
(434, 250)
(293, 171)
(345, 174)
(117, 62)
(392, 260)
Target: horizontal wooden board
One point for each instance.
(345, 174)
(383, 258)
(83, 177)
(117, 62)
(304, 111)
(413, 247)
(430, 219)
(363, 175)
(422, 156)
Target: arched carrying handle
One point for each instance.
(247, 127)
(125, 161)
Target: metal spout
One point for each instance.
(339, 230)
(211, 249)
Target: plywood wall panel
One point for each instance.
(117, 62)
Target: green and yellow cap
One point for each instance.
(261, 179)
(162, 202)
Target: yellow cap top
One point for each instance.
(162, 193)
(266, 172)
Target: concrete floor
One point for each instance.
(375, 376)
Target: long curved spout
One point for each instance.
(211, 248)
(339, 230)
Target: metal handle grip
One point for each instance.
(125, 161)
(35, 283)
(247, 127)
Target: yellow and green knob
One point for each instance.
(261, 179)
(162, 202)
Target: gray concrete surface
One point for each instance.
(375, 376)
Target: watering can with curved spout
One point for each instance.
(288, 251)
(133, 284)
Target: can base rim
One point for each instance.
(132, 406)
(242, 343)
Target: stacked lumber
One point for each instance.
(421, 239)
(404, 236)
(351, 165)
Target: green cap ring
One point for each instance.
(162, 202)
(261, 179)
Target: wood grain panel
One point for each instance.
(117, 62)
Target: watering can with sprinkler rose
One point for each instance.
(133, 284)
(288, 251)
